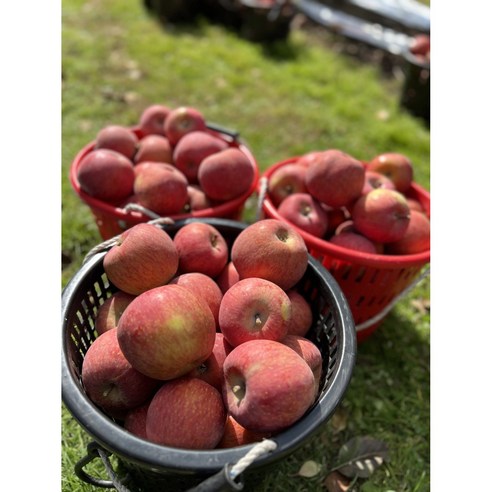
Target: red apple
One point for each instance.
(117, 138)
(308, 351)
(152, 119)
(166, 332)
(268, 387)
(305, 212)
(286, 180)
(202, 286)
(373, 180)
(254, 308)
(160, 187)
(270, 249)
(354, 240)
(226, 174)
(416, 238)
(143, 258)
(110, 311)
(237, 435)
(201, 248)
(227, 277)
(308, 158)
(109, 379)
(420, 46)
(415, 205)
(192, 149)
(154, 148)
(136, 421)
(397, 167)
(186, 413)
(381, 215)
(106, 175)
(335, 178)
(197, 199)
(183, 120)
(212, 370)
(302, 314)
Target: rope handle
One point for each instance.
(229, 478)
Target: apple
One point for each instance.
(302, 314)
(136, 421)
(308, 158)
(305, 212)
(106, 175)
(254, 308)
(420, 46)
(237, 435)
(110, 311)
(354, 240)
(152, 119)
(308, 351)
(192, 149)
(335, 178)
(117, 138)
(397, 167)
(416, 238)
(166, 332)
(154, 148)
(286, 180)
(270, 249)
(227, 277)
(160, 187)
(268, 387)
(183, 120)
(212, 370)
(202, 286)
(186, 413)
(143, 257)
(197, 199)
(201, 248)
(373, 180)
(109, 379)
(226, 174)
(381, 215)
(415, 205)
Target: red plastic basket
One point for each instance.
(112, 220)
(370, 282)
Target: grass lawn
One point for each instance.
(286, 99)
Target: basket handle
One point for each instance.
(228, 479)
(94, 451)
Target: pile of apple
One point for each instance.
(364, 207)
(174, 165)
(203, 344)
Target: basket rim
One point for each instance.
(144, 453)
(119, 213)
(326, 248)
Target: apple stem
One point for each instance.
(238, 391)
(258, 321)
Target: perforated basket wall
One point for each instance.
(332, 331)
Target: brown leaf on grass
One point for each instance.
(421, 305)
(336, 482)
(309, 469)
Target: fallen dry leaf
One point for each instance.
(309, 469)
(336, 482)
(421, 305)
(339, 420)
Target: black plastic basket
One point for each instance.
(150, 465)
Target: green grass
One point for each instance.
(285, 100)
